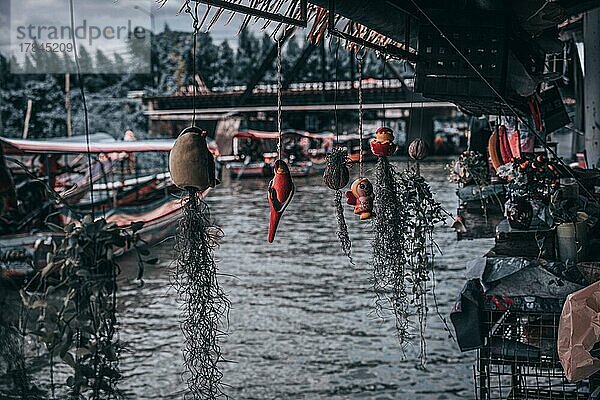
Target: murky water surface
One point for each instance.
(300, 325)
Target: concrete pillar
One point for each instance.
(591, 40)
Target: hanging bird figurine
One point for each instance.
(361, 197)
(280, 193)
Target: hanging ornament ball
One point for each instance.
(191, 164)
(383, 144)
(417, 150)
(336, 174)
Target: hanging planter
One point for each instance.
(403, 248)
(383, 144)
(336, 176)
(194, 272)
(417, 150)
(191, 164)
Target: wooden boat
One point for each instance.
(353, 146)
(149, 199)
(255, 151)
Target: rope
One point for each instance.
(279, 130)
(497, 94)
(335, 93)
(85, 109)
(196, 27)
(360, 114)
(383, 121)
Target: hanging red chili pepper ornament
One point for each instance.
(280, 193)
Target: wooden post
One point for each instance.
(68, 103)
(27, 118)
(591, 92)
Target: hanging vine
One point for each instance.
(75, 294)
(389, 258)
(403, 247)
(205, 307)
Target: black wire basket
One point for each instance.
(519, 358)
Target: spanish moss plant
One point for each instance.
(403, 248)
(205, 307)
(342, 229)
(336, 176)
(389, 261)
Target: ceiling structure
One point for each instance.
(527, 30)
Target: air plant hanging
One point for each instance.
(403, 248)
(205, 306)
(336, 177)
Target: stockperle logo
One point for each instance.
(107, 36)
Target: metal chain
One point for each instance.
(360, 115)
(279, 150)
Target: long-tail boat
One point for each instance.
(151, 199)
(255, 151)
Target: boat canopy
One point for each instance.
(62, 146)
(254, 134)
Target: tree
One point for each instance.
(86, 64)
(225, 65)
(247, 56)
(103, 63)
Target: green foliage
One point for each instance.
(470, 166)
(403, 248)
(75, 294)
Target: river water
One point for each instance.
(301, 325)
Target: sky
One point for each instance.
(46, 11)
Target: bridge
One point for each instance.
(304, 97)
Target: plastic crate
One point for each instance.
(519, 359)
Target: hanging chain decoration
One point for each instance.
(194, 271)
(336, 176)
(281, 187)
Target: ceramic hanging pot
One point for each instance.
(383, 144)
(191, 164)
(519, 213)
(417, 150)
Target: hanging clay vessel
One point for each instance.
(280, 193)
(519, 213)
(417, 150)
(361, 197)
(383, 144)
(336, 174)
(191, 164)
